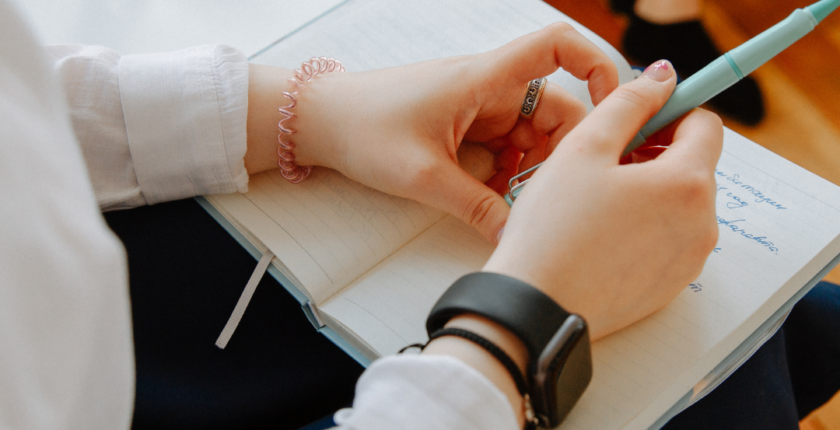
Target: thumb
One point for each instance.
(617, 120)
(465, 197)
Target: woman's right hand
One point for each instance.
(615, 243)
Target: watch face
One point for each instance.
(563, 372)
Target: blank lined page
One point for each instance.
(388, 306)
(374, 34)
(779, 225)
(137, 27)
(327, 230)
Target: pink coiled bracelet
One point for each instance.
(300, 77)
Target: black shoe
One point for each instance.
(689, 48)
(623, 6)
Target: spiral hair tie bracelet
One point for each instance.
(300, 77)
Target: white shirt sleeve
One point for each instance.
(157, 127)
(424, 392)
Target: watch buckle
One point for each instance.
(530, 415)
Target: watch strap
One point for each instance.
(527, 312)
(516, 374)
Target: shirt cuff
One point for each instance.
(426, 392)
(185, 115)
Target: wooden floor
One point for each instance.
(801, 88)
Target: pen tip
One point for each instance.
(823, 8)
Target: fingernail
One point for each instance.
(499, 234)
(659, 71)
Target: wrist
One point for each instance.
(492, 331)
(483, 361)
(558, 353)
(265, 95)
(314, 118)
(318, 122)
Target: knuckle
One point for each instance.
(695, 186)
(707, 125)
(602, 65)
(559, 31)
(417, 175)
(576, 110)
(706, 237)
(696, 271)
(478, 210)
(709, 117)
(710, 237)
(696, 192)
(704, 243)
(560, 28)
(599, 134)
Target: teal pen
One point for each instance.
(723, 73)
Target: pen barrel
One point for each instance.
(727, 70)
(760, 49)
(694, 91)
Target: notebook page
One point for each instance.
(136, 27)
(372, 34)
(327, 230)
(779, 225)
(387, 307)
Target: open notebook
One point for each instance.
(368, 267)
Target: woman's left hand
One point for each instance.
(398, 129)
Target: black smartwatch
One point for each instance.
(560, 363)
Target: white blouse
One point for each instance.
(81, 125)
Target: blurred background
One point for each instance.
(801, 89)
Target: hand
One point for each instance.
(613, 242)
(398, 129)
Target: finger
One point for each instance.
(459, 194)
(614, 123)
(642, 155)
(559, 45)
(507, 165)
(653, 147)
(476, 161)
(523, 137)
(662, 137)
(531, 159)
(697, 141)
(557, 113)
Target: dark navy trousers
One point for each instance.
(794, 373)
(186, 274)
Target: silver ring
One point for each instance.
(532, 97)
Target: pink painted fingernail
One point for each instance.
(659, 71)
